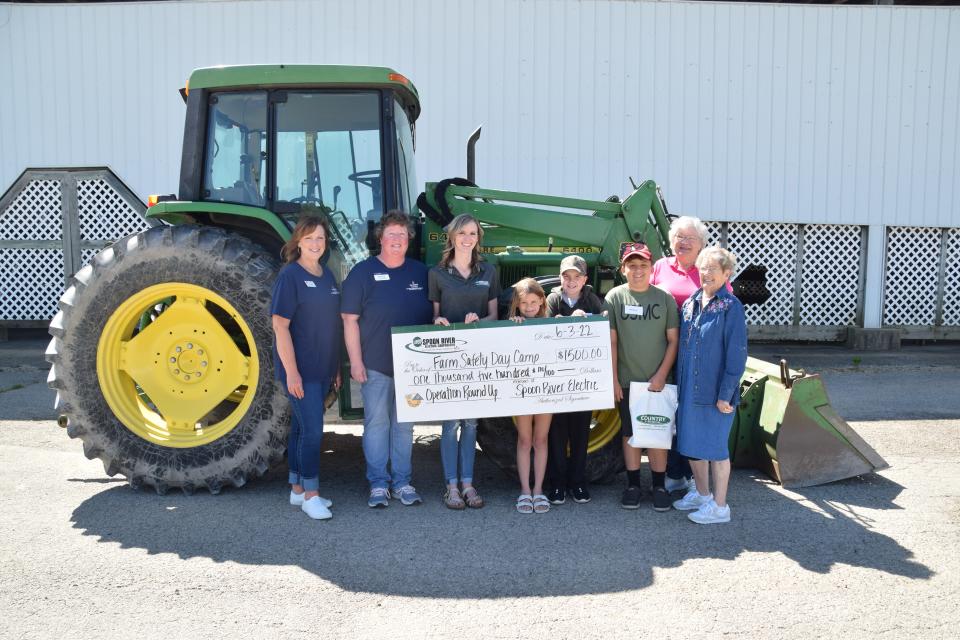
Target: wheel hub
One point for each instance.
(187, 361)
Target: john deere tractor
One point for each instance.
(161, 349)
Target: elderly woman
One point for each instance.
(384, 291)
(463, 288)
(713, 356)
(678, 276)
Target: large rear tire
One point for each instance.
(161, 360)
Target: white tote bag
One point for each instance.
(654, 416)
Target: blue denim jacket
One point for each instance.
(714, 342)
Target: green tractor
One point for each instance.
(161, 349)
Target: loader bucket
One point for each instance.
(786, 427)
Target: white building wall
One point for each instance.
(775, 113)
(742, 112)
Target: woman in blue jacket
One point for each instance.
(713, 355)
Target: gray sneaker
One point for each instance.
(407, 495)
(379, 498)
(692, 501)
(710, 513)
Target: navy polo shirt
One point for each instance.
(312, 305)
(385, 298)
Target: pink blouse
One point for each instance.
(679, 282)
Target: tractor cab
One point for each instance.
(275, 142)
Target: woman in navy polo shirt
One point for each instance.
(463, 288)
(306, 322)
(384, 291)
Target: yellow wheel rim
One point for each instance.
(604, 427)
(177, 365)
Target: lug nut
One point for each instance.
(186, 377)
(199, 352)
(203, 363)
(189, 345)
(172, 359)
(179, 349)
(176, 372)
(197, 374)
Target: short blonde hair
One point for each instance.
(726, 259)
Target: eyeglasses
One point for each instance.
(396, 235)
(688, 239)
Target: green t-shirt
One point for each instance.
(641, 321)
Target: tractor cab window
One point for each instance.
(328, 161)
(406, 170)
(235, 159)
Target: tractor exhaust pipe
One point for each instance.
(472, 155)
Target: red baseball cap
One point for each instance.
(630, 249)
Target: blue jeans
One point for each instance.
(306, 434)
(464, 451)
(385, 441)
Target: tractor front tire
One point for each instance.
(161, 359)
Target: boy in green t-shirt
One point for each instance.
(644, 336)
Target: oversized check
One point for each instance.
(544, 365)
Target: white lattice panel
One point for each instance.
(951, 280)
(30, 291)
(104, 214)
(34, 214)
(830, 276)
(775, 247)
(714, 233)
(910, 277)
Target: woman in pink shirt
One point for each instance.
(678, 276)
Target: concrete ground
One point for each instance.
(84, 556)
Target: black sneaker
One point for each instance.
(631, 497)
(580, 494)
(557, 496)
(661, 499)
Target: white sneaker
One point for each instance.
(296, 499)
(316, 509)
(677, 484)
(691, 501)
(710, 513)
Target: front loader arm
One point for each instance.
(640, 217)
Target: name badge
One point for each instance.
(380, 277)
(633, 309)
(483, 283)
(310, 283)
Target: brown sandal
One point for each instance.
(474, 501)
(452, 499)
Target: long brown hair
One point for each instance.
(456, 225)
(305, 226)
(522, 288)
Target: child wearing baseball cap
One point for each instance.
(574, 297)
(644, 336)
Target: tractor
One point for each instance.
(161, 347)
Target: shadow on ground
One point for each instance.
(494, 552)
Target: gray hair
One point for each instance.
(684, 222)
(726, 259)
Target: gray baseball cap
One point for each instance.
(573, 262)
